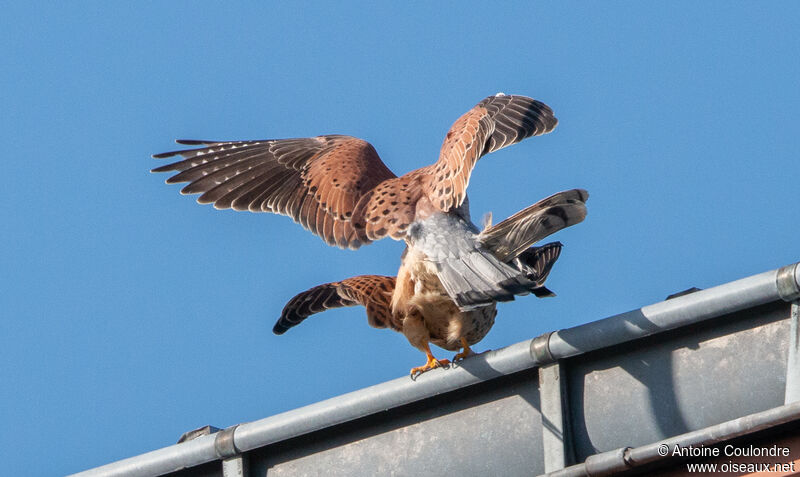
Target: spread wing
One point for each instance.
(316, 181)
(371, 291)
(494, 123)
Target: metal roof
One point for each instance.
(595, 393)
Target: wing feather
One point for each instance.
(337, 186)
(277, 176)
(202, 181)
(494, 123)
(374, 292)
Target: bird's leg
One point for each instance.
(467, 352)
(432, 363)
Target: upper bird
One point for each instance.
(338, 188)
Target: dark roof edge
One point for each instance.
(774, 285)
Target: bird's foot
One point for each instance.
(465, 353)
(431, 364)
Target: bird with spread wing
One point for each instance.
(336, 186)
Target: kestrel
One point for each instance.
(416, 304)
(338, 188)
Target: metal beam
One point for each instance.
(234, 466)
(552, 391)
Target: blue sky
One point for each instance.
(131, 314)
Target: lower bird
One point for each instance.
(435, 299)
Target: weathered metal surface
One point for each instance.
(788, 282)
(675, 367)
(626, 458)
(674, 313)
(469, 432)
(673, 383)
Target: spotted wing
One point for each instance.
(390, 208)
(494, 123)
(371, 291)
(316, 181)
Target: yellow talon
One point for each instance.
(467, 352)
(431, 364)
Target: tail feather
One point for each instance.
(536, 263)
(495, 265)
(478, 279)
(543, 292)
(513, 236)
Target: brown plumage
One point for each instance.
(337, 186)
(374, 292)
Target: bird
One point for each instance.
(337, 187)
(416, 304)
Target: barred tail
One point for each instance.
(536, 263)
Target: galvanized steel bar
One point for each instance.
(162, 461)
(719, 433)
(344, 408)
(383, 396)
(698, 306)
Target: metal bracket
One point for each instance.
(787, 282)
(233, 462)
(607, 463)
(540, 349)
(223, 443)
